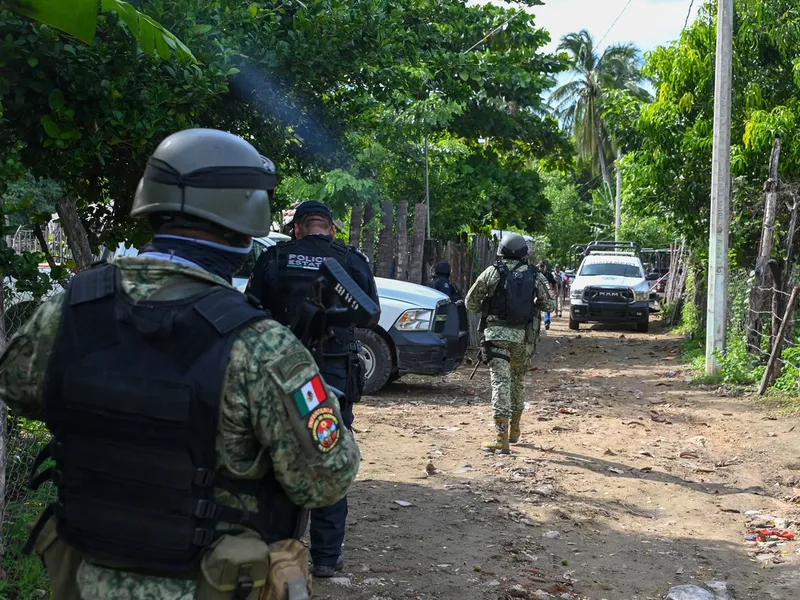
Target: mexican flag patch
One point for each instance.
(310, 396)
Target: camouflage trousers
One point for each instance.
(508, 365)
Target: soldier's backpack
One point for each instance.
(513, 298)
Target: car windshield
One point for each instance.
(611, 269)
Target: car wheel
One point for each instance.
(573, 324)
(377, 358)
(643, 327)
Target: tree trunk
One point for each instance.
(386, 241)
(758, 295)
(418, 245)
(77, 239)
(356, 216)
(402, 240)
(369, 234)
(601, 157)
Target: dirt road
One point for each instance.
(627, 480)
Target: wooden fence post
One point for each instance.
(757, 295)
(768, 379)
(415, 261)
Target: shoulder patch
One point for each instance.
(293, 369)
(310, 395)
(325, 429)
(291, 364)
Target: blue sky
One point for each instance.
(647, 23)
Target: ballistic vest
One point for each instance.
(512, 300)
(132, 398)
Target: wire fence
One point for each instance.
(20, 443)
(755, 313)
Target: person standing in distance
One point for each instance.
(281, 280)
(172, 399)
(544, 270)
(509, 295)
(441, 281)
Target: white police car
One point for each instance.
(611, 286)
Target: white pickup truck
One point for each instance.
(420, 330)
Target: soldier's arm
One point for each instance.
(479, 292)
(314, 457)
(23, 365)
(543, 300)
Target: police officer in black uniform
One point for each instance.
(281, 279)
(441, 281)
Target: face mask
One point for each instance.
(219, 259)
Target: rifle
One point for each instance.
(482, 354)
(480, 358)
(333, 300)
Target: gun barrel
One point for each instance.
(362, 310)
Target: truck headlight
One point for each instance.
(577, 294)
(415, 320)
(641, 296)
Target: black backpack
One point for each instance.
(513, 298)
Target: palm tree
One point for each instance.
(579, 103)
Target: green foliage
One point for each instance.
(581, 103)
(315, 85)
(30, 200)
(569, 220)
(25, 575)
(79, 18)
(668, 173)
(690, 316)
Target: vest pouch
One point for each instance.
(236, 567)
(289, 577)
(61, 561)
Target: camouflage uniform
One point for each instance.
(255, 429)
(518, 343)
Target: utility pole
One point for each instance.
(618, 206)
(720, 190)
(427, 188)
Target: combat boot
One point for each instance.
(501, 443)
(513, 432)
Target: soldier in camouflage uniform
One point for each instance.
(176, 406)
(509, 341)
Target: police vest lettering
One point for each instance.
(513, 298)
(303, 261)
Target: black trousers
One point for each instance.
(328, 523)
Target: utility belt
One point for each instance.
(346, 358)
(236, 567)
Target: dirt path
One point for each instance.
(627, 480)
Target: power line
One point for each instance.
(688, 14)
(619, 16)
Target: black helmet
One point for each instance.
(442, 268)
(513, 245)
(209, 175)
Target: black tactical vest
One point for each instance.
(512, 301)
(132, 399)
(296, 268)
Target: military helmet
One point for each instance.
(211, 175)
(513, 245)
